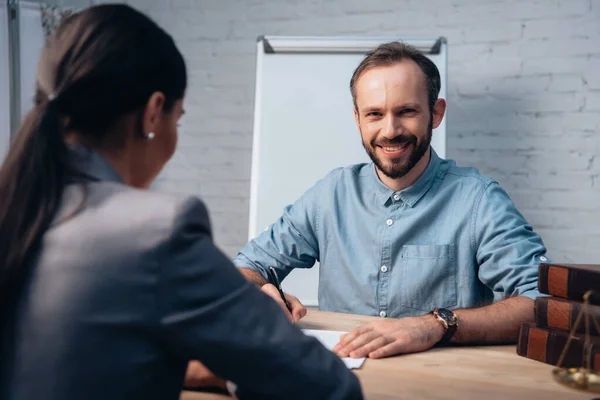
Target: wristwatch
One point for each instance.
(449, 321)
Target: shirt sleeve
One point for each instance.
(209, 312)
(508, 251)
(291, 242)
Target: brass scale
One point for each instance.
(582, 378)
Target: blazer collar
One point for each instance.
(92, 165)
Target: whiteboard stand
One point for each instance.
(303, 110)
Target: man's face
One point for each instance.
(393, 116)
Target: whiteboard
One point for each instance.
(303, 110)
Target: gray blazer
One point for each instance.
(129, 288)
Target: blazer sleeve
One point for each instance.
(209, 312)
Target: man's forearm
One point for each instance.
(253, 276)
(495, 323)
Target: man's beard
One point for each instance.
(397, 169)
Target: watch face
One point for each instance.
(446, 315)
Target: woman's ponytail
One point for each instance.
(32, 179)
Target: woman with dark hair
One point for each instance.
(107, 290)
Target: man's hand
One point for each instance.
(298, 310)
(387, 337)
(197, 375)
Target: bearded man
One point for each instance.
(438, 251)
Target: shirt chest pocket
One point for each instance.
(428, 276)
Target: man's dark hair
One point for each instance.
(388, 54)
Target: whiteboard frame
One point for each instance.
(315, 44)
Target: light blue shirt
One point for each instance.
(453, 239)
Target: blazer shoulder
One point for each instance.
(135, 210)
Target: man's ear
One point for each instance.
(357, 118)
(153, 112)
(439, 109)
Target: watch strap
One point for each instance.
(450, 331)
(449, 326)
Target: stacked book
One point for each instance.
(556, 317)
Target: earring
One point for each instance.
(150, 136)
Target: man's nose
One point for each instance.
(391, 127)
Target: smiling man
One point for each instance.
(439, 252)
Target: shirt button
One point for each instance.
(389, 222)
(382, 314)
(384, 268)
(396, 197)
(543, 259)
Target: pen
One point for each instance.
(275, 281)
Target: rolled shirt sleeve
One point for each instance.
(508, 251)
(291, 242)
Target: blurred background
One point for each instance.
(523, 98)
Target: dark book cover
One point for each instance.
(557, 313)
(570, 281)
(546, 345)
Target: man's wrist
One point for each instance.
(253, 276)
(448, 320)
(436, 327)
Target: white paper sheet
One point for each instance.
(329, 339)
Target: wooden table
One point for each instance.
(477, 372)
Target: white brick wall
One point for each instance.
(66, 3)
(524, 98)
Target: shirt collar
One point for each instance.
(412, 194)
(92, 165)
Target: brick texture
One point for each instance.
(524, 98)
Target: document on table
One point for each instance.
(329, 339)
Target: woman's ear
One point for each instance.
(153, 112)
